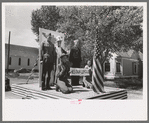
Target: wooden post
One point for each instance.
(8, 52)
(40, 65)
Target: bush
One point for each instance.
(134, 83)
(36, 70)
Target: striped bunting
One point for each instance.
(30, 93)
(34, 93)
(97, 77)
(112, 95)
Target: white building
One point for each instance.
(124, 64)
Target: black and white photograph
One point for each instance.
(71, 56)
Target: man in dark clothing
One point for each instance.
(75, 59)
(48, 60)
(62, 75)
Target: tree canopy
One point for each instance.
(119, 27)
(46, 17)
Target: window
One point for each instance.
(9, 60)
(28, 62)
(134, 68)
(19, 61)
(107, 67)
(118, 68)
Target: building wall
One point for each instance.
(22, 52)
(128, 69)
(24, 62)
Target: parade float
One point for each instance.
(32, 90)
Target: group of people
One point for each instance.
(54, 57)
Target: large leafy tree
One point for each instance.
(46, 17)
(119, 28)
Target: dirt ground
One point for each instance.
(132, 94)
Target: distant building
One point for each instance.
(21, 57)
(123, 65)
(120, 65)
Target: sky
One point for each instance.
(18, 21)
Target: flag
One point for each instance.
(97, 76)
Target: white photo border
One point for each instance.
(63, 110)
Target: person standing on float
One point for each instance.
(59, 52)
(48, 61)
(75, 60)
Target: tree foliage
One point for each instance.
(46, 17)
(119, 27)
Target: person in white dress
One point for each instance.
(87, 80)
(59, 52)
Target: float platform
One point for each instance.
(33, 91)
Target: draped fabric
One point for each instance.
(97, 76)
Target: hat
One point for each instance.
(58, 38)
(49, 35)
(63, 54)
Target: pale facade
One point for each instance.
(122, 65)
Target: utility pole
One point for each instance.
(8, 52)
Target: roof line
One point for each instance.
(22, 46)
